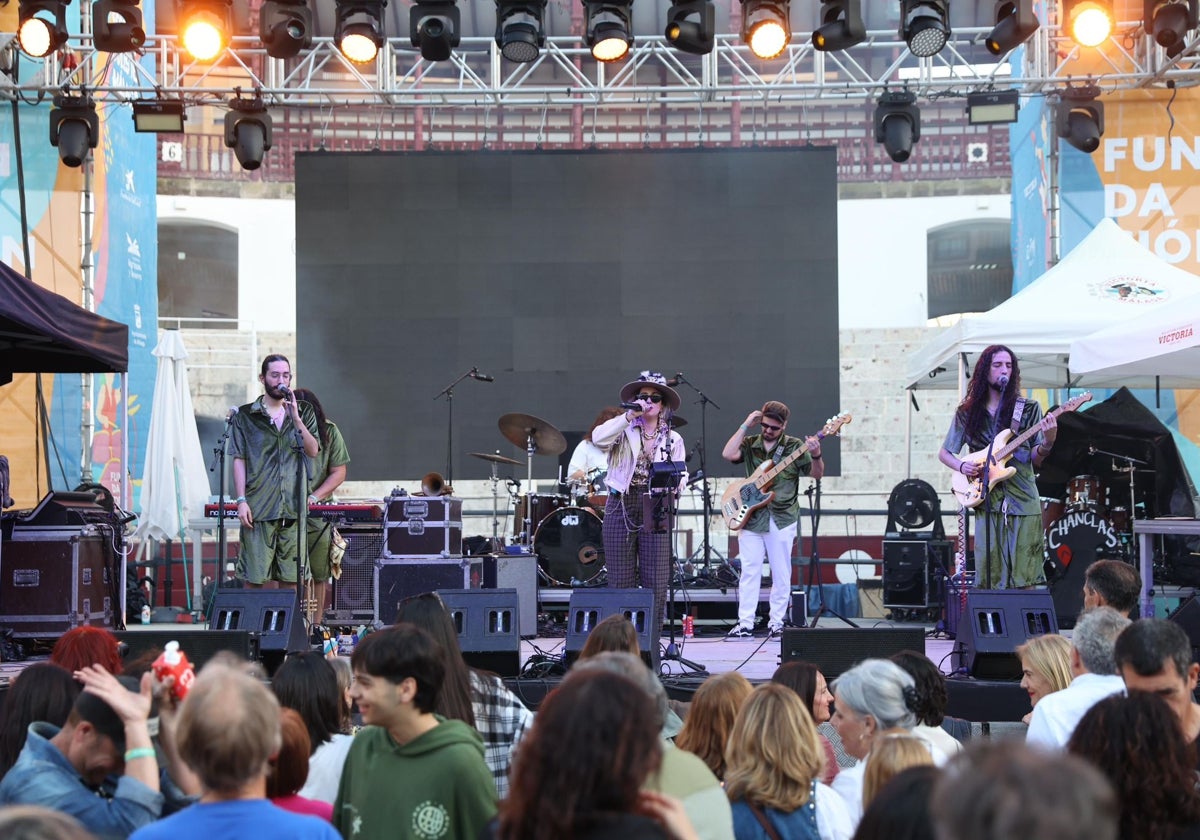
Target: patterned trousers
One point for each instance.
(636, 549)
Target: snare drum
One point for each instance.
(1052, 511)
(569, 544)
(539, 507)
(1118, 517)
(1084, 493)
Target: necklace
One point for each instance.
(653, 433)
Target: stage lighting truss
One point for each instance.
(117, 26)
(285, 27)
(74, 127)
(925, 26)
(520, 33)
(897, 123)
(42, 26)
(204, 27)
(248, 130)
(358, 33)
(766, 26)
(434, 27)
(1168, 22)
(1089, 23)
(609, 28)
(1081, 117)
(1015, 24)
(691, 26)
(841, 25)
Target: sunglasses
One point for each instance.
(769, 428)
(654, 398)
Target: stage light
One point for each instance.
(248, 130)
(992, 107)
(609, 29)
(158, 116)
(1081, 118)
(204, 27)
(1089, 23)
(766, 26)
(691, 26)
(519, 29)
(1168, 21)
(841, 25)
(41, 27)
(358, 32)
(433, 25)
(897, 123)
(925, 26)
(1015, 24)
(285, 27)
(117, 26)
(74, 127)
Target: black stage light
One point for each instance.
(285, 27)
(1169, 21)
(204, 27)
(766, 26)
(841, 25)
(117, 26)
(897, 123)
(1015, 24)
(691, 26)
(248, 130)
(1081, 118)
(74, 127)
(520, 32)
(358, 32)
(609, 29)
(1088, 22)
(925, 26)
(433, 26)
(41, 27)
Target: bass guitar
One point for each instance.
(747, 495)
(969, 491)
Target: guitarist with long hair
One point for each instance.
(769, 532)
(993, 405)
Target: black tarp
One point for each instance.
(42, 332)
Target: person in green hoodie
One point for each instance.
(410, 772)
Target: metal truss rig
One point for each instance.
(565, 76)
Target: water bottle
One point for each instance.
(689, 629)
(172, 662)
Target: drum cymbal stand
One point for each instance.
(1130, 468)
(495, 480)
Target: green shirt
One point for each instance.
(333, 454)
(1019, 494)
(784, 508)
(272, 458)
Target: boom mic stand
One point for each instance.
(814, 559)
(297, 631)
(473, 373)
(218, 466)
(706, 494)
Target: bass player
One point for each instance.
(770, 531)
(1014, 557)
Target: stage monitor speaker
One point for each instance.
(487, 621)
(588, 607)
(995, 622)
(913, 573)
(1187, 616)
(835, 650)
(268, 612)
(519, 572)
(353, 593)
(199, 645)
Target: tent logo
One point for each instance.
(1175, 335)
(1128, 290)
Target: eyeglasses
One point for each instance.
(767, 427)
(654, 398)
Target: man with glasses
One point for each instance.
(771, 530)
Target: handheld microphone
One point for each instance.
(283, 389)
(482, 377)
(1003, 382)
(675, 380)
(632, 406)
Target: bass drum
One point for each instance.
(569, 544)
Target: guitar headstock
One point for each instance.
(1075, 402)
(833, 426)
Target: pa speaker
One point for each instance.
(913, 572)
(995, 622)
(268, 612)
(519, 572)
(353, 594)
(487, 622)
(835, 650)
(1187, 616)
(588, 607)
(199, 645)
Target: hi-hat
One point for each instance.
(519, 428)
(495, 459)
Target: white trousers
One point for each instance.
(776, 547)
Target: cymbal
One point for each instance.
(547, 440)
(677, 421)
(495, 459)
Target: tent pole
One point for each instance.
(87, 270)
(1054, 211)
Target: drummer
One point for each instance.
(636, 544)
(588, 459)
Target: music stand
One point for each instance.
(814, 560)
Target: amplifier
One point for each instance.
(353, 594)
(421, 526)
(398, 579)
(52, 580)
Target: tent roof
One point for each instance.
(1108, 278)
(1158, 347)
(42, 332)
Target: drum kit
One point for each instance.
(1087, 494)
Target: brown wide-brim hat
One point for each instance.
(658, 382)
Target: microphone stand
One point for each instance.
(985, 477)
(449, 392)
(297, 632)
(814, 559)
(218, 465)
(706, 495)
(664, 506)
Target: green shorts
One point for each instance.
(268, 552)
(320, 537)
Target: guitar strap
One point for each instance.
(1018, 413)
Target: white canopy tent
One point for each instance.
(1107, 279)
(1160, 348)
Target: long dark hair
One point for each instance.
(429, 613)
(800, 677)
(43, 691)
(307, 683)
(972, 413)
(322, 424)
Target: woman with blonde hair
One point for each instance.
(714, 708)
(773, 770)
(893, 751)
(1045, 667)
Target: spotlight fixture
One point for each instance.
(117, 26)
(358, 32)
(691, 26)
(285, 27)
(925, 26)
(841, 25)
(158, 116)
(1015, 24)
(248, 130)
(1169, 21)
(992, 107)
(1089, 22)
(1081, 117)
(204, 27)
(519, 31)
(609, 28)
(766, 26)
(41, 27)
(897, 123)
(74, 127)
(433, 25)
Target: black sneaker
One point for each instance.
(775, 631)
(739, 632)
